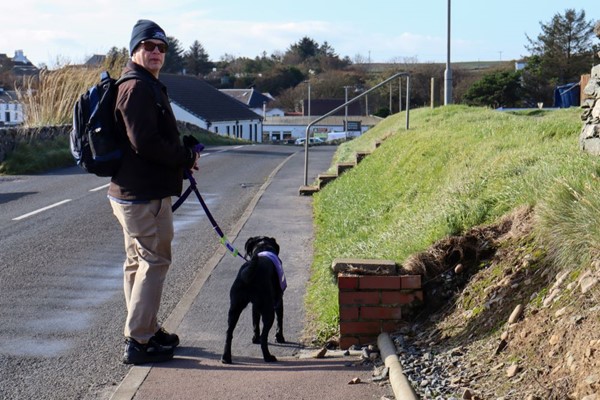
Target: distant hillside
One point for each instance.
(467, 66)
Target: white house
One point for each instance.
(195, 101)
(11, 111)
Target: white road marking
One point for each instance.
(91, 190)
(41, 209)
(99, 188)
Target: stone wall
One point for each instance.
(589, 139)
(10, 137)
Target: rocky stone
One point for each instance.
(516, 314)
(587, 281)
(320, 353)
(594, 396)
(592, 379)
(459, 269)
(561, 312)
(513, 370)
(467, 394)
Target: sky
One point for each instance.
(58, 32)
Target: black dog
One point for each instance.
(260, 281)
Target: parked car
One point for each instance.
(311, 141)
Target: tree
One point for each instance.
(174, 62)
(278, 79)
(196, 60)
(115, 60)
(305, 48)
(564, 48)
(498, 89)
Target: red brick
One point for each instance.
(347, 282)
(419, 295)
(347, 328)
(392, 298)
(380, 313)
(359, 298)
(392, 326)
(379, 282)
(348, 341)
(368, 339)
(411, 281)
(348, 313)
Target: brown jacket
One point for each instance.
(154, 157)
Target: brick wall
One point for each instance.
(372, 304)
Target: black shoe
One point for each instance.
(152, 352)
(165, 338)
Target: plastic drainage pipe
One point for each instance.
(400, 384)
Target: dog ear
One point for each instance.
(250, 244)
(273, 242)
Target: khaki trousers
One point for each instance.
(148, 233)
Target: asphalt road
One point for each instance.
(61, 305)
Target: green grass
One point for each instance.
(456, 168)
(34, 157)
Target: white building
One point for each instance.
(11, 111)
(195, 101)
(293, 127)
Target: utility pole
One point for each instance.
(400, 94)
(448, 72)
(346, 110)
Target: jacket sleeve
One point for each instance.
(151, 139)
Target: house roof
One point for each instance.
(95, 60)
(249, 97)
(203, 100)
(8, 96)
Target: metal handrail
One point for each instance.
(352, 101)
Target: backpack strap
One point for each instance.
(137, 75)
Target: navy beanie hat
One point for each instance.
(145, 29)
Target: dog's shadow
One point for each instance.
(197, 358)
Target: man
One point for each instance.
(140, 192)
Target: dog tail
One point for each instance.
(249, 272)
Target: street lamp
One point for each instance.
(308, 84)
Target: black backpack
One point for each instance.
(95, 141)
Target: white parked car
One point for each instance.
(311, 141)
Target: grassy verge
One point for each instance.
(456, 168)
(35, 157)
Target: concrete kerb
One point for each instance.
(400, 384)
(136, 376)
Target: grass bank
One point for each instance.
(456, 168)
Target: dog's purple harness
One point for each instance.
(277, 262)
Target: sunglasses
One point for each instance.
(150, 46)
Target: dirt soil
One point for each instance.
(529, 332)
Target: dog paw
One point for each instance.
(226, 360)
(270, 358)
(279, 338)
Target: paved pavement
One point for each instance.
(197, 373)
